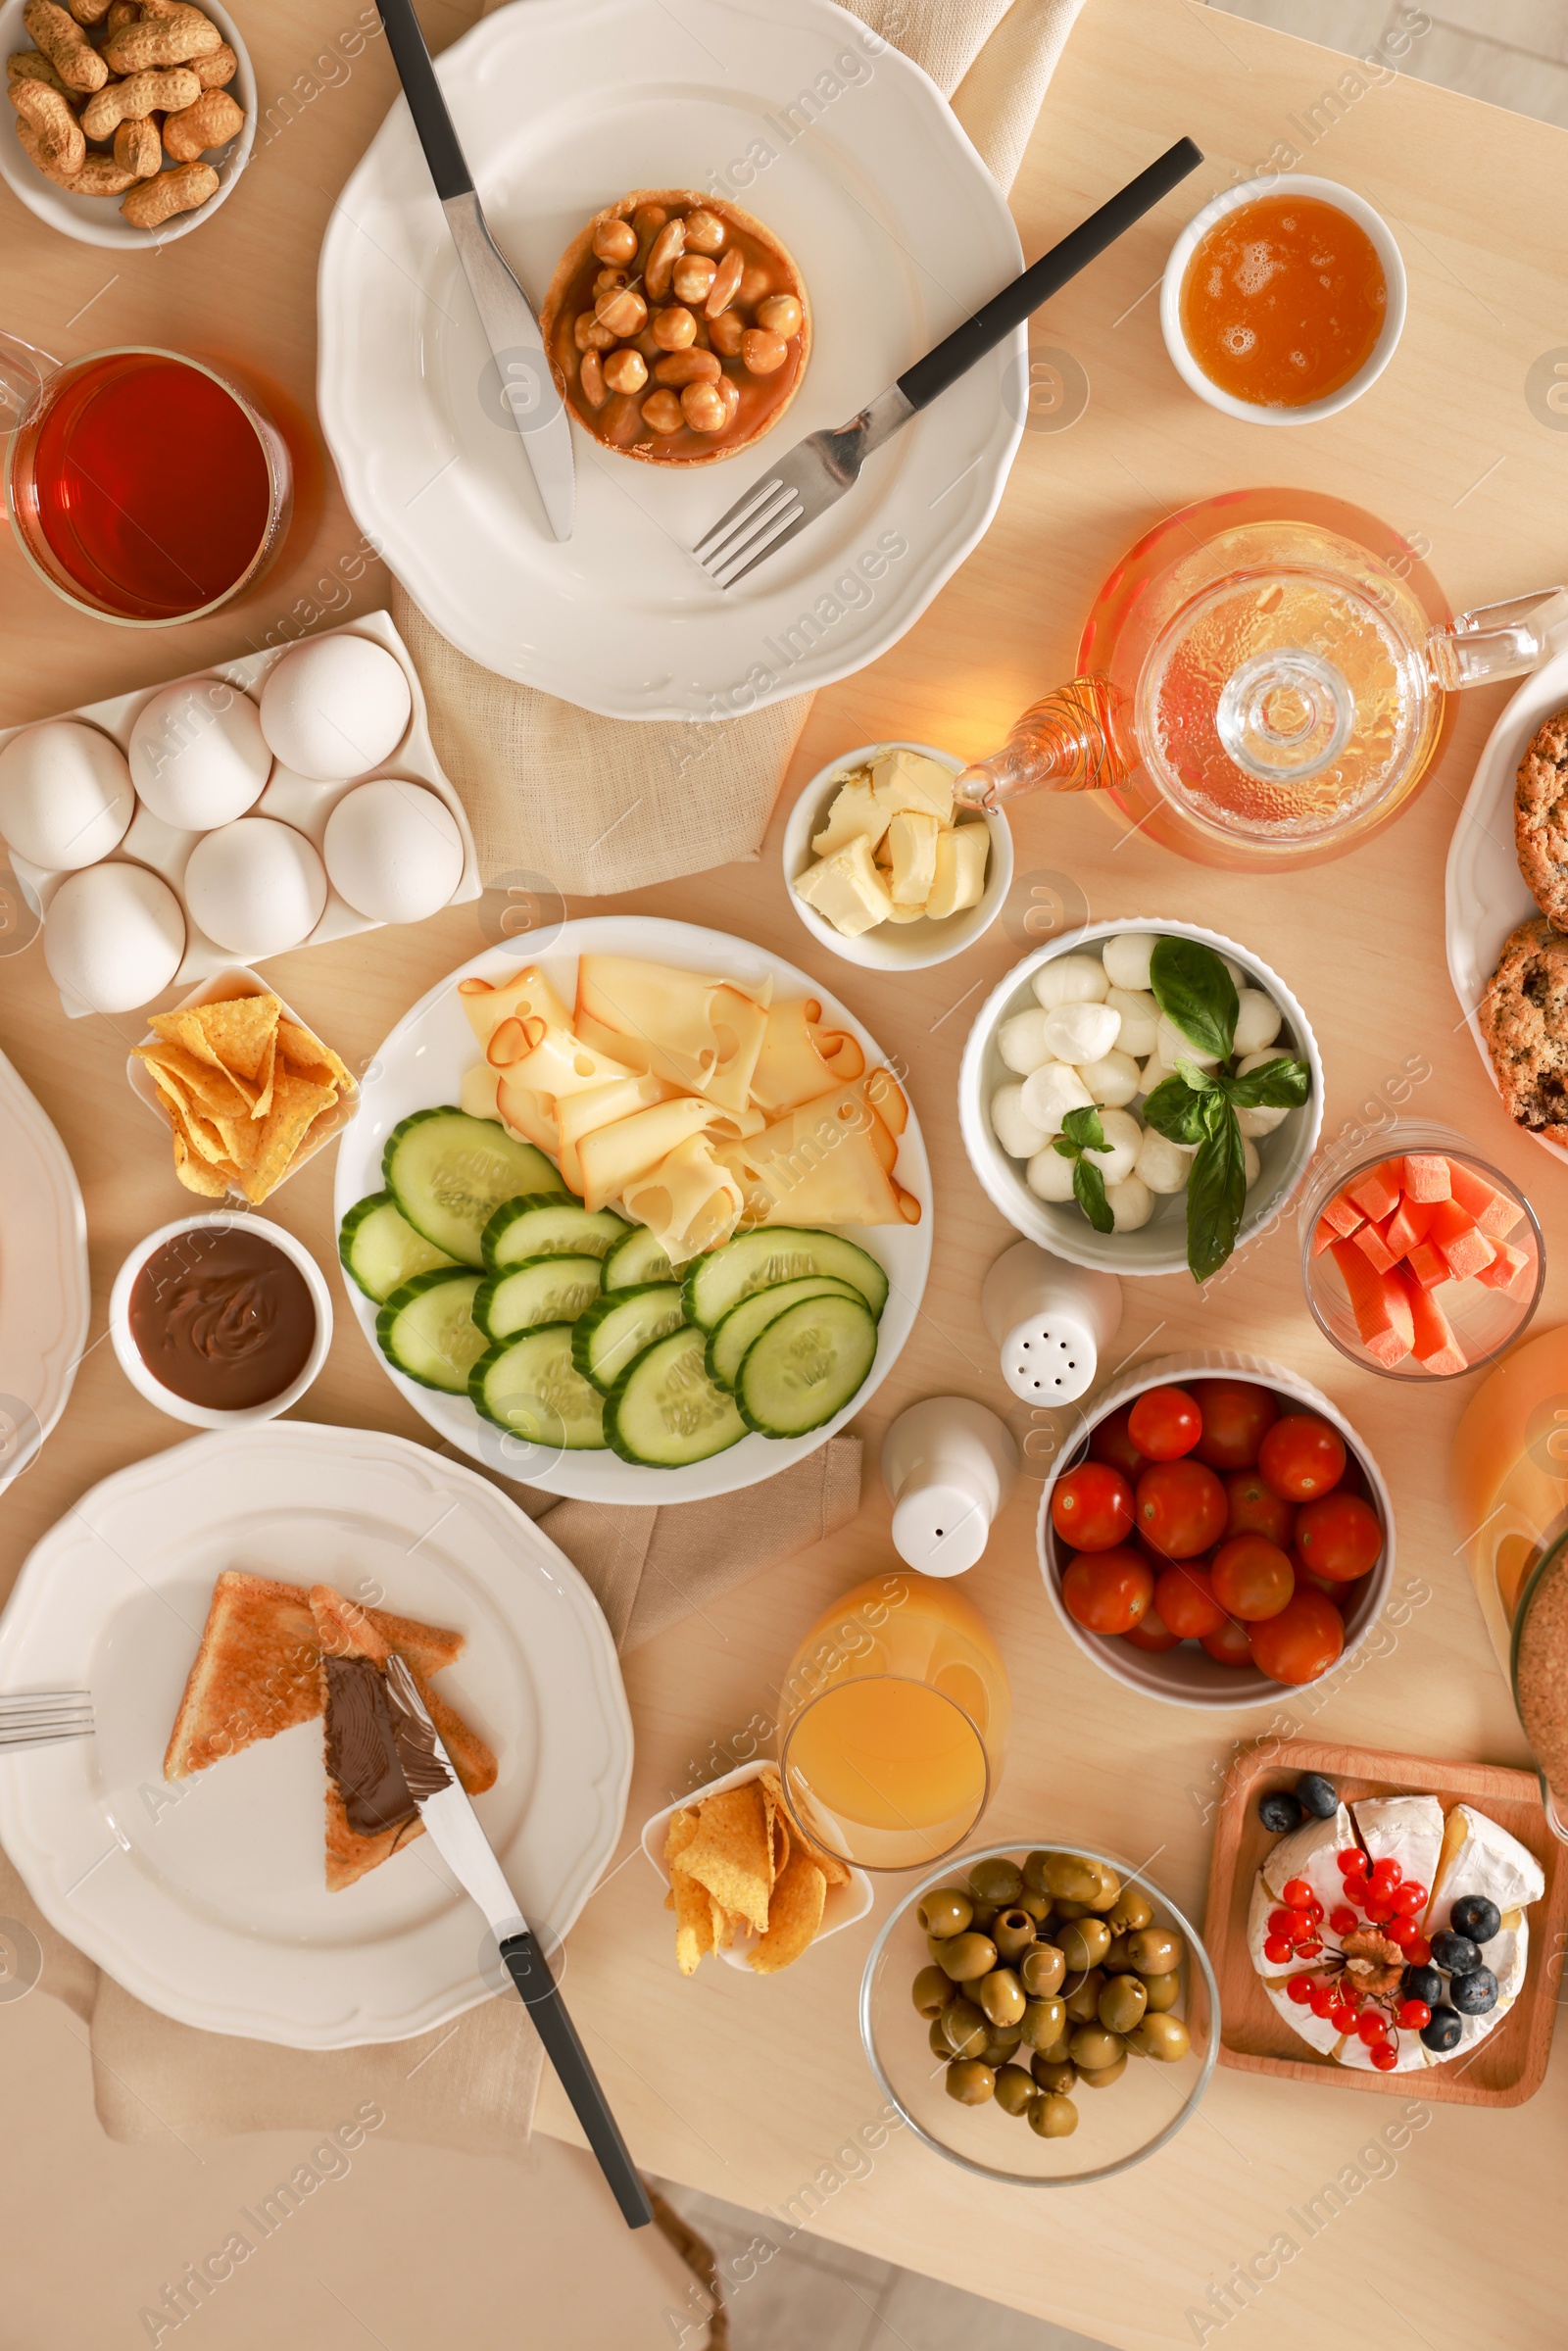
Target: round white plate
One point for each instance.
(207, 1899)
(1484, 894)
(44, 1296)
(561, 107)
(422, 1065)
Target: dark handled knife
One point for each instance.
(454, 1830)
(526, 386)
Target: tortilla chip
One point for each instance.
(724, 1925)
(214, 1090)
(678, 1835)
(196, 1174)
(731, 1853)
(306, 1052)
(832, 1868)
(235, 1033)
(793, 1916)
(296, 1101)
(693, 1920)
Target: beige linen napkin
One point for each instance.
(597, 805)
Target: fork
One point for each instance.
(819, 469)
(41, 1717)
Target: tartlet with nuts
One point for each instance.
(678, 327)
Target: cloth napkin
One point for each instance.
(605, 804)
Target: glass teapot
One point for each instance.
(1262, 681)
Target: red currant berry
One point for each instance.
(1341, 1918)
(1308, 1946)
(1321, 1999)
(1280, 1922)
(1352, 1995)
(1407, 1901)
(1413, 1885)
(1372, 2027)
(1356, 1891)
(1386, 1871)
(1298, 1894)
(1352, 1861)
(1377, 1909)
(1343, 2019)
(1385, 2057)
(1415, 2014)
(1418, 1950)
(1278, 1949)
(1300, 1989)
(1402, 1932)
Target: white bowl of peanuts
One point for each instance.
(130, 120)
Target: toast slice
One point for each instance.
(258, 1669)
(344, 1629)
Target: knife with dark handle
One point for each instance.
(527, 388)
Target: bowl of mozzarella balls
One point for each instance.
(1076, 1028)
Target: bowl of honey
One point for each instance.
(1281, 305)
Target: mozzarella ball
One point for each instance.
(1250, 1161)
(1132, 1204)
(1049, 1093)
(1071, 980)
(1049, 1175)
(1112, 1081)
(1124, 1135)
(1258, 1122)
(1163, 1165)
(1021, 1044)
(1140, 1020)
(1080, 1033)
(1154, 1073)
(1126, 958)
(1239, 978)
(1258, 1021)
(1014, 1132)
(1173, 1045)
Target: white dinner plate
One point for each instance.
(207, 1899)
(44, 1296)
(420, 1064)
(1486, 896)
(563, 106)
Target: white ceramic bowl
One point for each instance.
(1187, 1676)
(894, 946)
(1345, 200)
(844, 1903)
(128, 1355)
(97, 219)
(1161, 1246)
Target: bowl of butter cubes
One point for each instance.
(885, 868)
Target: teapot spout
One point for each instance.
(1062, 742)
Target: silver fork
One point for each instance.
(41, 1717)
(818, 471)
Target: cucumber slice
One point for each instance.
(548, 1227)
(449, 1173)
(381, 1250)
(665, 1412)
(528, 1386)
(543, 1290)
(634, 1259)
(777, 1253)
(734, 1332)
(614, 1330)
(428, 1331)
(805, 1365)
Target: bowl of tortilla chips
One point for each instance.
(742, 1882)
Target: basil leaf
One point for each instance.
(1282, 1085)
(1175, 1111)
(1089, 1191)
(1193, 988)
(1201, 1081)
(1083, 1129)
(1065, 1149)
(1216, 1190)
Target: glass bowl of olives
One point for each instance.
(1014, 1985)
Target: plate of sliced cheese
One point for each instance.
(643, 1219)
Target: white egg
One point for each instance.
(197, 757)
(1081, 1032)
(255, 886)
(1173, 1045)
(1124, 1135)
(1071, 980)
(1250, 1161)
(1140, 1020)
(1021, 1042)
(1258, 1021)
(1016, 1133)
(65, 796)
(335, 706)
(1163, 1165)
(114, 936)
(1258, 1122)
(1131, 1201)
(1049, 1175)
(1049, 1093)
(1112, 1081)
(1127, 958)
(393, 849)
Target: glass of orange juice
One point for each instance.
(894, 1722)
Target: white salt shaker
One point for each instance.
(948, 1465)
(1050, 1320)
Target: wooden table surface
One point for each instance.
(752, 2089)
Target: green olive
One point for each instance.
(945, 1911)
(1052, 2116)
(1057, 2055)
(970, 2082)
(931, 1990)
(1001, 2043)
(941, 2046)
(1093, 2048)
(965, 2028)
(1044, 2022)
(1056, 2073)
(1083, 2000)
(1155, 1950)
(1108, 1891)
(996, 1881)
(1101, 2076)
(1034, 1872)
(1163, 1991)
(1038, 1906)
(1014, 2092)
(1066, 1910)
(963, 1957)
(1117, 1962)
(1122, 2003)
(1130, 1911)
(1070, 1875)
(1001, 1996)
(1014, 1933)
(1162, 2036)
(1084, 1944)
(1042, 1971)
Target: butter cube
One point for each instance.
(846, 889)
(908, 779)
(913, 839)
(854, 809)
(906, 914)
(959, 879)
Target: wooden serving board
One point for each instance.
(1507, 2067)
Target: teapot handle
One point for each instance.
(1496, 640)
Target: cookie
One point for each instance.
(1524, 1019)
(1540, 819)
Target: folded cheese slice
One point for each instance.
(581, 1114)
(689, 1202)
(829, 1162)
(613, 1157)
(694, 1028)
(799, 1059)
(528, 996)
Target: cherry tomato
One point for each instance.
(1253, 1578)
(1254, 1511)
(1302, 1642)
(1339, 1537)
(1092, 1506)
(1301, 1457)
(1152, 1632)
(1109, 1442)
(1185, 1598)
(1108, 1591)
(1165, 1423)
(1180, 1508)
(1236, 1413)
(1230, 1644)
(1340, 1593)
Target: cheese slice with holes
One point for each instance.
(688, 1201)
(829, 1162)
(580, 1114)
(613, 1157)
(530, 994)
(697, 1029)
(799, 1059)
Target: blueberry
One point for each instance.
(1475, 1916)
(1317, 1795)
(1444, 2031)
(1475, 1993)
(1422, 1984)
(1455, 1954)
(1279, 1810)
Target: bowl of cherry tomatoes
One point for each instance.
(1221, 1537)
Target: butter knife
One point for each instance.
(454, 1830)
(527, 388)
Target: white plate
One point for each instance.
(1484, 894)
(422, 1065)
(207, 1899)
(561, 107)
(44, 1294)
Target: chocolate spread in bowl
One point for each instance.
(1540, 1670)
(222, 1318)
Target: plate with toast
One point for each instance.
(197, 1846)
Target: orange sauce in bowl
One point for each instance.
(1283, 301)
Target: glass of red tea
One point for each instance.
(148, 487)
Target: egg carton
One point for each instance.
(295, 800)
